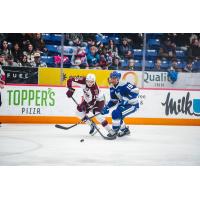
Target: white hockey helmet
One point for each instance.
(90, 79)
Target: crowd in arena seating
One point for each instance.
(179, 52)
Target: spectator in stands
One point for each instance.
(105, 59)
(193, 37)
(125, 50)
(75, 39)
(37, 61)
(5, 49)
(173, 71)
(2, 60)
(167, 49)
(194, 50)
(30, 54)
(79, 59)
(17, 53)
(100, 46)
(131, 64)
(10, 61)
(112, 48)
(116, 64)
(39, 44)
(181, 40)
(93, 58)
(27, 39)
(24, 62)
(3, 36)
(90, 42)
(174, 65)
(189, 67)
(158, 64)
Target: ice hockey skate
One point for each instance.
(112, 134)
(124, 132)
(92, 131)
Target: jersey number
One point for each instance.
(130, 87)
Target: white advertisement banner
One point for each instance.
(161, 80)
(52, 101)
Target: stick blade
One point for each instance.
(61, 127)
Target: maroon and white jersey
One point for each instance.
(90, 94)
(2, 76)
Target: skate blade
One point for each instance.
(121, 135)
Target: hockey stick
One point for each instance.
(106, 138)
(80, 122)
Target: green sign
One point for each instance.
(31, 97)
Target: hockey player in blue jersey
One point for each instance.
(125, 96)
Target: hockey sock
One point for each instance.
(82, 115)
(103, 122)
(123, 126)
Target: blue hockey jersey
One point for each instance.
(124, 91)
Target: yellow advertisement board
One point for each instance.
(52, 76)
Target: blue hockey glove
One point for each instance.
(105, 110)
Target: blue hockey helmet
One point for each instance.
(115, 74)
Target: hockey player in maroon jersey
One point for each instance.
(2, 81)
(93, 100)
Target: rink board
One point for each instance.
(34, 104)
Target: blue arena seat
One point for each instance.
(137, 53)
(46, 36)
(48, 60)
(153, 43)
(149, 64)
(52, 48)
(165, 64)
(180, 54)
(103, 40)
(124, 63)
(181, 64)
(151, 54)
(196, 66)
(56, 37)
(138, 63)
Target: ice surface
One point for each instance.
(24, 144)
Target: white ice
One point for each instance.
(24, 144)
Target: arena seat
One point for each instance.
(180, 54)
(153, 43)
(46, 36)
(137, 53)
(48, 60)
(52, 48)
(138, 63)
(56, 37)
(149, 64)
(165, 64)
(151, 54)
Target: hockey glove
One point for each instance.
(83, 107)
(70, 92)
(105, 110)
